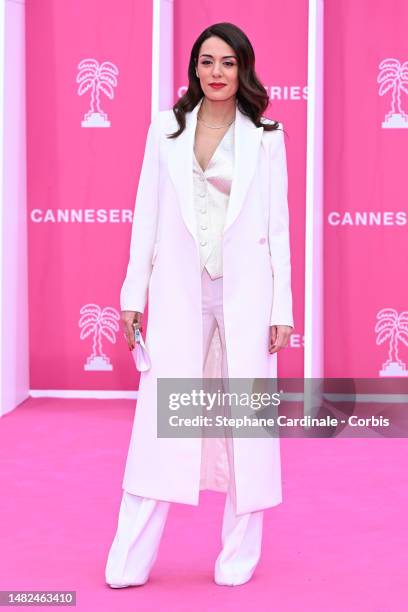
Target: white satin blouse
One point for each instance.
(211, 194)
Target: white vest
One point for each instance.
(211, 194)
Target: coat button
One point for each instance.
(203, 242)
(201, 195)
(202, 211)
(203, 226)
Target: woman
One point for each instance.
(210, 244)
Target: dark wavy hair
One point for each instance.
(252, 99)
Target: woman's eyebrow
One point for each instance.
(223, 57)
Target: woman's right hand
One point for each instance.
(129, 317)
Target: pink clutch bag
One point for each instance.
(140, 354)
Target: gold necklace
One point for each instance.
(215, 127)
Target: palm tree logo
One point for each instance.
(99, 322)
(393, 327)
(394, 75)
(98, 78)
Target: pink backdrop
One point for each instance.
(366, 250)
(72, 168)
(87, 170)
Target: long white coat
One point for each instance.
(164, 265)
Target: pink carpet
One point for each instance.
(339, 542)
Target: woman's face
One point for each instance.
(217, 63)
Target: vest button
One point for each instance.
(203, 226)
(202, 211)
(203, 242)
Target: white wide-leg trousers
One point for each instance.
(141, 520)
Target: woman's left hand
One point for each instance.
(279, 337)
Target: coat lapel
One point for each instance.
(247, 139)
